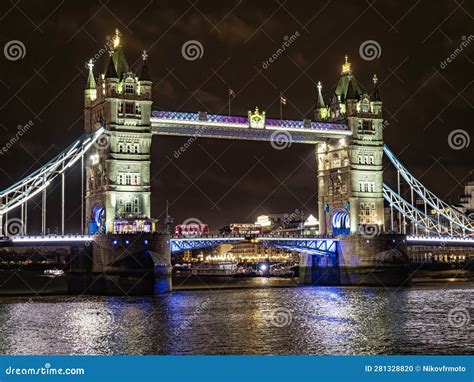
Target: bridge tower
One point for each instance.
(350, 175)
(117, 194)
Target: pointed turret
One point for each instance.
(375, 99)
(144, 79)
(320, 101)
(111, 72)
(90, 78)
(375, 96)
(91, 87)
(346, 78)
(352, 93)
(90, 95)
(120, 62)
(320, 111)
(144, 75)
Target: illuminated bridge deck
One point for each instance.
(234, 127)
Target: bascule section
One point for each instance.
(350, 176)
(118, 168)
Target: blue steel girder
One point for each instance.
(320, 246)
(188, 244)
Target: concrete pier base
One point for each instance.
(123, 265)
(378, 261)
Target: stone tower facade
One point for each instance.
(350, 175)
(118, 167)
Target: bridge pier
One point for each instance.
(378, 261)
(125, 264)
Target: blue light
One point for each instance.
(145, 241)
(127, 242)
(263, 267)
(115, 242)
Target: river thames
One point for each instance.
(279, 320)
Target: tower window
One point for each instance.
(129, 108)
(128, 88)
(128, 207)
(367, 125)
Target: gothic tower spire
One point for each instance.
(320, 111)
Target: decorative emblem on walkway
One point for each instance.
(257, 119)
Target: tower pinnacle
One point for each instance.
(91, 92)
(346, 67)
(116, 39)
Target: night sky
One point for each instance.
(220, 182)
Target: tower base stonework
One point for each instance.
(379, 261)
(133, 264)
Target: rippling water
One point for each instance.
(303, 320)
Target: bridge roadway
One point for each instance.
(311, 244)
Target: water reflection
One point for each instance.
(329, 320)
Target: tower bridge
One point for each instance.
(346, 131)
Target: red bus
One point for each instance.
(191, 230)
